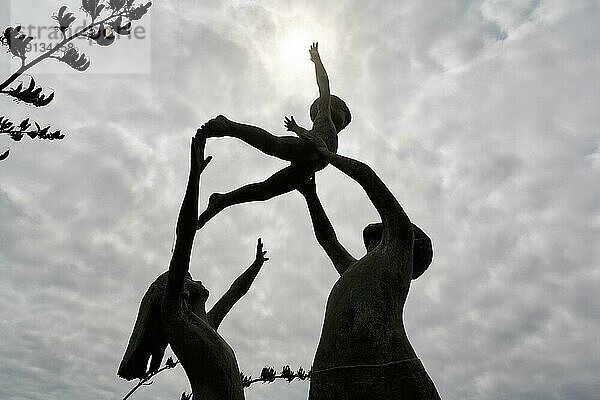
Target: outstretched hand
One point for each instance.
(314, 52)
(260, 253)
(290, 124)
(308, 186)
(197, 152)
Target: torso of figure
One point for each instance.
(363, 319)
(325, 128)
(207, 359)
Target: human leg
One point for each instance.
(289, 148)
(281, 182)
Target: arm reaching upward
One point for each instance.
(322, 80)
(238, 288)
(395, 221)
(186, 222)
(324, 231)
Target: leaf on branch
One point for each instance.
(246, 380)
(64, 19)
(32, 95)
(16, 41)
(287, 373)
(170, 363)
(302, 375)
(139, 11)
(37, 126)
(4, 155)
(17, 133)
(57, 135)
(92, 7)
(268, 375)
(75, 59)
(25, 124)
(46, 134)
(16, 136)
(6, 125)
(117, 26)
(185, 396)
(104, 36)
(116, 5)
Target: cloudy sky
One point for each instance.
(481, 116)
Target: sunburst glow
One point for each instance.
(293, 48)
(294, 42)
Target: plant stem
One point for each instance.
(144, 382)
(20, 132)
(276, 377)
(53, 50)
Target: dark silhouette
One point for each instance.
(268, 375)
(25, 128)
(364, 352)
(329, 115)
(173, 311)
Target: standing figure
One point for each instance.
(364, 352)
(329, 115)
(173, 311)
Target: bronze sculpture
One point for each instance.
(329, 114)
(173, 311)
(364, 352)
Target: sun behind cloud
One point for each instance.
(295, 38)
(292, 48)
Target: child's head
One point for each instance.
(340, 113)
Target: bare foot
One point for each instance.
(215, 206)
(216, 127)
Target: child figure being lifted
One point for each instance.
(329, 114)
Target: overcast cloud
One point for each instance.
(481, 116)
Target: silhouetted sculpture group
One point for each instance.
(363, 352)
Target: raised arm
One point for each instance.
(324, 231)
(238, 288)
(322, 79)
(395, 221)
(186, 222)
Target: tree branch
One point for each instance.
(47, 54)
(268, 375)
(170, 364)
